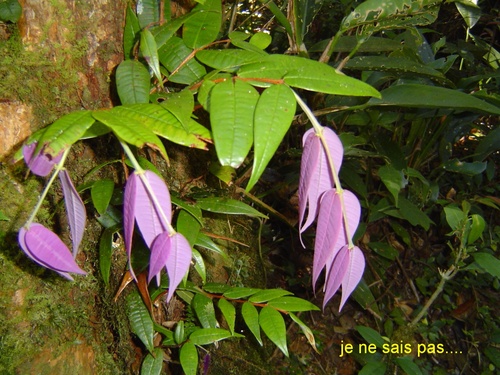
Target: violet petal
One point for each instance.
(353, 274)
(160, 251)
(129, 216)
(336, 275)
(178, 262)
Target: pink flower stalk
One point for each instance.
(338, 213)
(40, 163)
(46, 249)
(147, 202)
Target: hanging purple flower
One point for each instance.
(40, 163)
(46, 249)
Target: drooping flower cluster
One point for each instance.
(147, 202)
(41, 244)
(337, 211)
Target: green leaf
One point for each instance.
(273, 116)
(193, 210)
(181, 105)
(149, 51)
(413, 214)
(469, 11)
(216, 288)
(397, 65)
(408, 366)
(160, 121)
(106, 252)
(424, 96)
(204, 309)
(240, 292)
(455, 217)
(373, 368)
(153, 363)
(251, 318)
(268, 295)
(489, 263)
(179, 333)
(227, 206)
(101, 193)
(206, 242)
(173, 54)
(229, 312)
(228, 60)
(304, 12)
(488, 145)
(393, 179)
(128, 129)
(224, 173)
(199, 265)
(364, 296)
(261, 40)
(207, 336)
(373, 16)
(204, 26)
(292, 304)
(306, 74)
(468, 169)
(371, 336)
(140, 320)
(3, 217)
(148, 12)
(478, 225)
(305, 330)
(384, 249)
(189, 226)
(130, 33)
(273, 325)
(188, 357)
(232, 107)
(132, 82)
(10, 11)
(64, 132)
(164, 32)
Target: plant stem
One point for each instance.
(445, 276)
(45, 191)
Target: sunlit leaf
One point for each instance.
(292, 304)
(149, 51)
(261, 40)
(251, 318)
(273, 325)
(75, 209)
(148, 12)
(232, 106)
(140, 320)
(204, 26)
(188, 356)
(227, 60)
(10, 11)
(181, 105)
(132, 82)
(272, 119)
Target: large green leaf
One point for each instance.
(101, 193)
(207, 336)
(149, 51)
(206, 242)
(10, 11)
(140, 320)
(374, 15)
(397, 65)
(227, 206)
(240, 292)
(128, 129)
(232, 107)
(229, 312)
(251, 318)
(205, 312)
(228, 60)
(371, 336)
(424, 96)
(133, 82)
(106, 252)
(203, 27)
(65, 131)
(188, 357)
(292, 304)
(130, 33)
(305, 74)
(273, 116)
(181, 105)
(488, 262)
(268, 295)
(273, 325)
(172, 55)
(160, 121)
(148, 12)
(153, 363)
(164, 32)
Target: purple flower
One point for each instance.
(46, 248)
(147, 202)
(40, 163)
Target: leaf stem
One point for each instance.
(59, 167)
